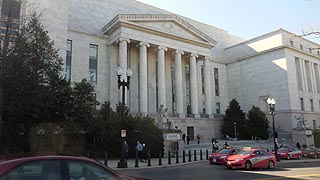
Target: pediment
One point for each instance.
(163, 24)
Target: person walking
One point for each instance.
(298, 145)
(126, 150)
(145, 153)
(188, 139)
(139, 148)
(184, 138)
(198, 138)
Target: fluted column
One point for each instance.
(143, 78)
(178, 76)
(161, 76)
(207, 86)
(193, 84)
(123, 63)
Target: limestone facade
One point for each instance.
(191, 68)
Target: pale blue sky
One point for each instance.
(248, 18)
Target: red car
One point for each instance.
(287, 152)
(56, 167)
(219, 157)
(251, 158)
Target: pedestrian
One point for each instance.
(188, 139)
(139, 148)
(215, 146)
(198, 138)
(184, 138)
(126, 150)
(212, 141)
(298, 145)
(226, 145)
(145, 153)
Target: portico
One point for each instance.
(175, 44)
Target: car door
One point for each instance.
(255, 159)
(83, 170)
(35, 170)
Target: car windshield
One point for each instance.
(283, 149)
(223, 151)
(244, 152)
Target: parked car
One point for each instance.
(312, 153)
(56, 167)
(219, 157)
(288, 152)
(251, 158)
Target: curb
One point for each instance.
(300, 161)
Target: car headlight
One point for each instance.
(239, 159)
(312, 153)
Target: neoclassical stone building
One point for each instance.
(191, 68)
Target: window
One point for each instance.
(318, 53)
(86, 170)
(68, 60)
(216, 81)
(314, 124)
(93, 61)
(311, 104)
(291, 42)
(10, 15)
(35, 170)
(310, 50)
(301, 104)
(301, 46)
(218, 108)
(298, 73)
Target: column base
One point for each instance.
(181, 115)
(196, 116)
(211, 116)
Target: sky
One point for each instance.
(249, 18)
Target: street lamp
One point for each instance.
(271, 102)
(123, 83)
(235, 130)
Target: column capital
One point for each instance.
(162, 47)
(179, 52)
(194, 55)
(144, 44)
(123, 39)
(208, 58)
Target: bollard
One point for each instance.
(183, 156)
(88, 154)
(189, 155)
(169, 158)
(106, 158)
(207, 154)
(149, 162)
(201, 154)
(137, 160)
(195, 155)
(160, 160)
(177, 157)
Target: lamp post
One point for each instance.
(123, 83)
(271, 102)
(235, 130)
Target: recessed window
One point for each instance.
(93, 61)
(311, 104)
(68, 60)
(301, 46)
(318, 53)
(216, 81)
(310, 50)
(291, 42)
(218, 108)
(301, 104)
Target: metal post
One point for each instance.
(160, 160)
(235, 130)
(169, 158)
(189, 155)
(177, 157)
(149, 162)
(137, 160)
(106, 158)
(183, 156)
(201, 154)
(195, 155)
(207, 154)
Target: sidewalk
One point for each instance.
(113, 163)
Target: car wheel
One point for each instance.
(288, 157)
(271, 165)
(248, 165)
(229, 167)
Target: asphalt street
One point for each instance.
(203, 170)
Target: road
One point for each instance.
(204, 170)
